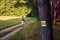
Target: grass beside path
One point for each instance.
(7, 23)
(10, 22)
(33, 29)
(29, 32)
(56, 31)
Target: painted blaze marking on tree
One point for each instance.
(43, 23)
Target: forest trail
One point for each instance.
(14, 31)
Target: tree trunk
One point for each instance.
(45, 18)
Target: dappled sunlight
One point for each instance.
(8, 17)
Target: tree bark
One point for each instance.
(45, 18)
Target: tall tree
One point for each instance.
(45, 18)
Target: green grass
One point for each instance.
(29, 32)
(7, 23)
(33, 29)
(56, 32)
(31, 18)
(12, 22)
(4, 24)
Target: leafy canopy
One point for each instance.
(16, 7)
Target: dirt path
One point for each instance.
(5, 30)
(12, 27)
(15, 31)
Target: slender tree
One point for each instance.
(45, 18)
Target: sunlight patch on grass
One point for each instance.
(8, 17)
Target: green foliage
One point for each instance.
(13, 8)
(34, 12)
(17, 7)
